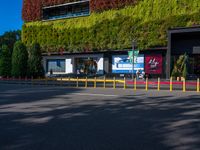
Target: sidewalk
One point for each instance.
(124, 83)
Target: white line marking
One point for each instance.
(90, 94)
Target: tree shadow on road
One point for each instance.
(94, 123)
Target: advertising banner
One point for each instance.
(132, 54)
(123, 64)
(153, 63)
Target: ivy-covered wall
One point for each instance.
(147, 21)
(32, 9)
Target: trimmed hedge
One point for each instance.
(147, 22)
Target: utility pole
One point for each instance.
(134, 44)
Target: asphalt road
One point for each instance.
(60, 118)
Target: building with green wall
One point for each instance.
(93, 36)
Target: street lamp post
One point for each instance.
(134, 44)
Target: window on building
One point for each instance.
(68, 10)
(56, 65)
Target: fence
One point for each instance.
(104, 82)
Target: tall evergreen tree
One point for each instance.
(35, 67)
(19, 60)
(5, 61)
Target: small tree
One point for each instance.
(180, 67)
(19, 60)
(5, 61)
(35, 67)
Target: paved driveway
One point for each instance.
(58, 118)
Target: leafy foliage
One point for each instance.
(35, 68)
(19, 60)
(32, 9)
(101, 5)
(147, 21)
(5, 61)
(9, 38)
(180, 67)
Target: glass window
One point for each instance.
(67, 11)
(56, 65)
(86, 65)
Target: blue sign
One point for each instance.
(123, 64)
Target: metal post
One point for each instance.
(32, 80)
(69, 81)
(146, 84)
(184, 85)
(124, 82)
(198, 86)
(104, 82)
(95, 82)
(135, 84)
(159, 84)
(39, 81)
(133, 49)
(171, 84)
(46, 80)
(61, 81)
(77, 82)
(114, 83)
(19, 79)
(86, 82)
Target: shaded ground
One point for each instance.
(49, 118)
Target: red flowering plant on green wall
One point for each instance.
(32, 9)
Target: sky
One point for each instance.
(10, 15)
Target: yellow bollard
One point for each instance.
(171, 84)
(46, 81)
(60, 81)
(95, 82)
(158, 84)
(19, 79)
(198, 86)
(104, 82)
(31, 80)
(124, 82)
(146, 84)
(135, 84)
(77, 82)
(86, 82)
(114, 83)
(69, 81)
(184, 85)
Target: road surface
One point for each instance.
(60, 118)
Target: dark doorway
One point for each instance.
(181, 41)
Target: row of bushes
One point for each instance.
(147, 22)
(32, 9)
(21, 61)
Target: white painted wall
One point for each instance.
(100, 64)
(68, 66)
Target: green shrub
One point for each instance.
(19, 60)
(5, 61)
(35, 67)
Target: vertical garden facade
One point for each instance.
(94, 36)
